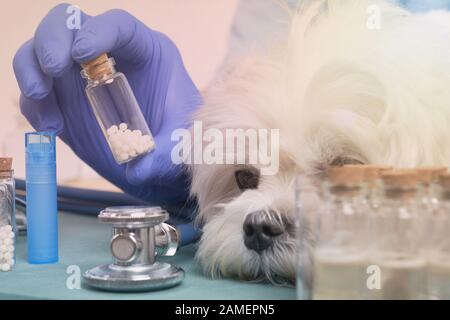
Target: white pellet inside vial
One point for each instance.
(6, 248)
(127, 144)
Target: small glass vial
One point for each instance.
(428, 198)
(398, 239)
(309, 200)
(428, 179)
(7, 215)
(439, 249)
(117, 110)
(340, 253)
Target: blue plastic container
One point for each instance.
(42, 211)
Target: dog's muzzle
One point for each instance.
(261, 228)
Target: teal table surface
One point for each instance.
(84, 243)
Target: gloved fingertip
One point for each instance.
(43, 114)
(33, 83)
(34, 86)
(83, 50)
(53, 63)
(36, 91)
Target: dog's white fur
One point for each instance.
(336, 89)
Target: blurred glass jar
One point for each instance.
(439, 248)
(372, 179)
(309, 201)
(7, 215)
(398, 239)
(428, 184)
(428, 197)
(340, 252)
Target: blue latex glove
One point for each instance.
(53, 97)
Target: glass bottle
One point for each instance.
(429, 200)
(428, 179)
(7, 215)
(117, 110)
(398, 239)
(340, 253)
(439, 248)
(373, 198)
(309, 199)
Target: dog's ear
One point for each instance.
(247, 178)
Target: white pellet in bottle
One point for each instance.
(127, 144)
(6, 228)
(112, 130)
(6, 248)
(6, 267)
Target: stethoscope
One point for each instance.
(140, 234)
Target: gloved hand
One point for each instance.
(53, 97)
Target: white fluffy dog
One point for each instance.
(354, 81)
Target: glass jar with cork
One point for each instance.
(398, 239)
(439, 244)
(340, 253)
(7, 215)
(117, 110)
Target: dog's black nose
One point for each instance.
(260, 230)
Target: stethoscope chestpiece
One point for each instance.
(131, 216)
(133, 249)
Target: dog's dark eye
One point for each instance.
(247, 179)
(342, 161)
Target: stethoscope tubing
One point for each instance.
(91, 202)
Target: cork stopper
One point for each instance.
(345, 176)
(99, 68)
(429, 174)
(6, 167)
(372, 172)
(400, 179)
